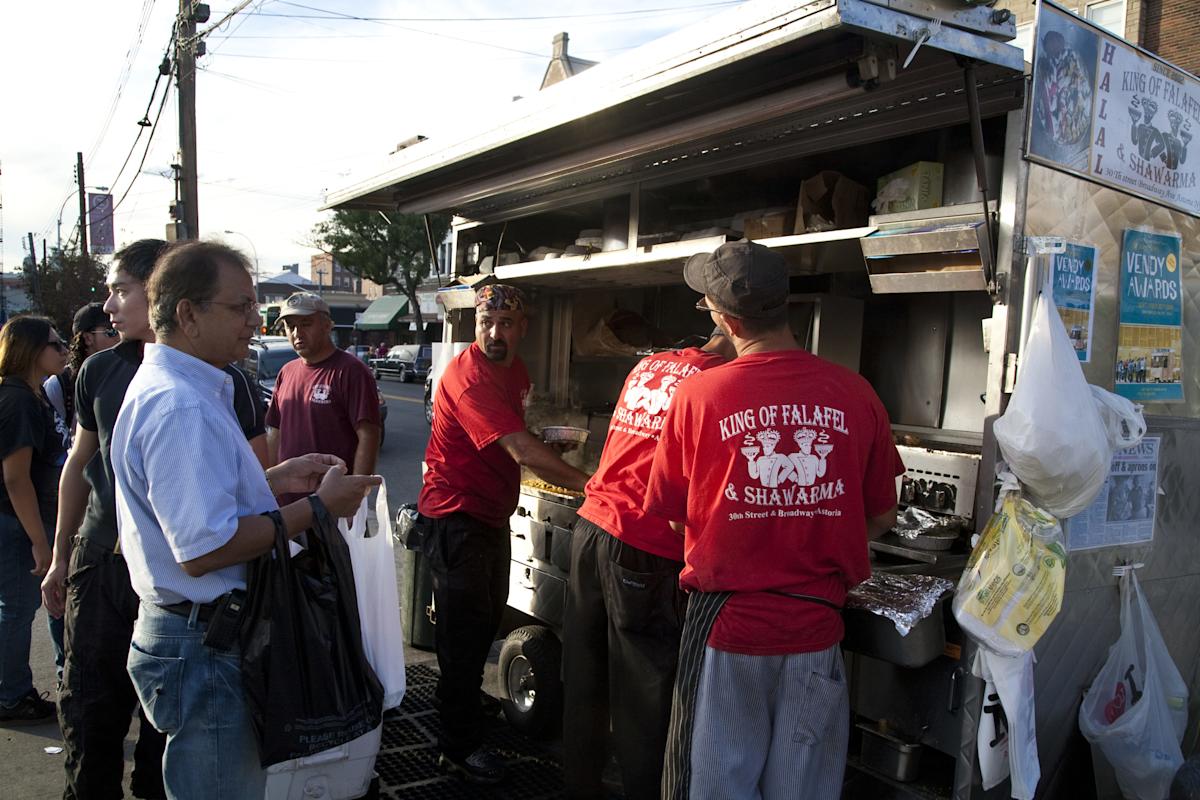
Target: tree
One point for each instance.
(390, 250)
(61, 284)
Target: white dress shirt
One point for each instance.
(185, 474)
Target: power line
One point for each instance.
(590, 15)
(123, 77)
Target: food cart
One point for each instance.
(779, 121)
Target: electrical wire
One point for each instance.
(123, 78)
(589, 15)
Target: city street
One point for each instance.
(28, 772)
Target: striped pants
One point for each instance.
(770, 727)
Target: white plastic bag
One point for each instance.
(1135, 711)
(1051, 434)
(374, 563)
(1007, 738)
(1121, 416)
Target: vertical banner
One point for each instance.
(1075, 294)
(1150, 344)
(100, 223)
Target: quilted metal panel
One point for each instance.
(1062, 205)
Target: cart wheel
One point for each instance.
(530, 682)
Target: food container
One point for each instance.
(564, 434)
(917, 186)
(873, 635)
(888, 754)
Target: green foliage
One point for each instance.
(391, 251)
(62, 283)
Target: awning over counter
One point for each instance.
(383, 314)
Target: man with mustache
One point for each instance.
(477, 447)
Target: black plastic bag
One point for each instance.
(306, 679)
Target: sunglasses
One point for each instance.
(702, 306)
(58, 345)
(108, 332)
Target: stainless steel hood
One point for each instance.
(932, 250)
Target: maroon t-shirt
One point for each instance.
(317, 407)
(478, 402)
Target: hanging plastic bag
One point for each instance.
(304, 672)
(1135, 711)
(1007, 737)
(1012, 587)
(374, 562)
(1051, 434)
(1121, 416)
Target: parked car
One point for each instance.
(267, 356)
(429, 398)
(409, 362)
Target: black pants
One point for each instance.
(469, 561)
(620, 650)
(97, 700)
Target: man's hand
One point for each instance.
(41, 558)
(341, 493)
(302, 474)
(54, 589)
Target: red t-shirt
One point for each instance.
(616, 492)
(774, 462)
(317, 407)
(477, 402)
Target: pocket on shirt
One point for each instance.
(822, 701)
(158, 682)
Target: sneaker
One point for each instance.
(31, 708)
(480, 767)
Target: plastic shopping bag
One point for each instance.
(1012, 588)
(1007, 737)
(1052, 434)
(306, 678)
(374, 562)
(1122, 418)
(1136, 709)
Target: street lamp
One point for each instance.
(255, 251)
(63, 206)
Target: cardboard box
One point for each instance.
(768, 224)
(917, 186)
(830, 201)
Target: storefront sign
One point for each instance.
(1123, 512)
(1150, 344)
(1107, 111)
(1075, 294)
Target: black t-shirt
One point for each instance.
(27, 420)
(99, 393)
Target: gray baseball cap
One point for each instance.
(744, 279)
(303, 304)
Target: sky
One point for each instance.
(293, 99)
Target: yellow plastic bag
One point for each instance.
(1012, 587)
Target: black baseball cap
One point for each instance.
(90, 317)
(744, 279)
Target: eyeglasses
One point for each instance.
(702, 307)
(58, 345)
(245, 308)
(107, 332)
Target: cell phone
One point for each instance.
(226, 621)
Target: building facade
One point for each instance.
(1168, 28)
(325, 271)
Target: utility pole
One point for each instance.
(187, 47)
(32, 251)
(83, 242)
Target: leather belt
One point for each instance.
(185, 609)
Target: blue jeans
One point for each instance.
(193, 694)
(20, 596)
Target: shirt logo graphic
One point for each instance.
(320, 393)
(792, 483)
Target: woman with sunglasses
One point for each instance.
(91, 332)
(31, 451)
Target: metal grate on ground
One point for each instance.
(407, 761)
